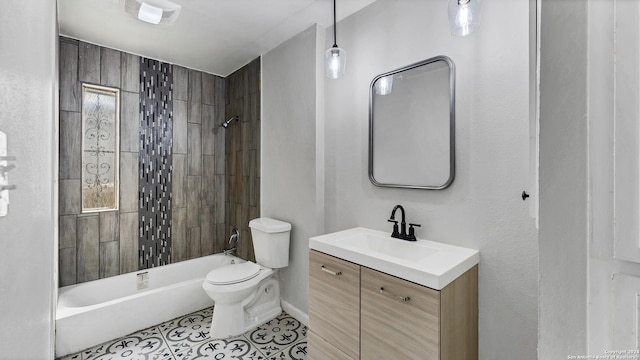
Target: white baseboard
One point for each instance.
(295, 312)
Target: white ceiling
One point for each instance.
(215, 36)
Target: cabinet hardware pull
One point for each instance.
(394, 296)
(334, 273)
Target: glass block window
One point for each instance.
(100, 144)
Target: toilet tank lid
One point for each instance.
(269, 225)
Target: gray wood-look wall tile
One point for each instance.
(220, 241)
(180, 138)
(208, 89)
(194, 149)
(220, 142)
(220, 91)
(130, 121)
(69, 197)
(254, 106)
(128, 182)
(240, 163)
(244, 197)
(87, 257)
(193, 245)
(110, 67)
(67, 266)
(209, 129)
(179, 234)
(194, 184)
(70, 145)
(128, 242)
(208, 181)
(198, 180)
(194, 111)
(180, 83)
(254, 185)
(179, 181)
(220, 191)
(109, 226)
(207, 230)
(109, 259)
(253, 76)
(67, 225)
(88, 63)
(130, 70)
(69, 86)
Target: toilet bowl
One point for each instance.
(247, 294)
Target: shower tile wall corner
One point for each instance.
(96, 245)
(242, 149)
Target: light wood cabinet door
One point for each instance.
(399, 319)
(334, 303)
(322, 350)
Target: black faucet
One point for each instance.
(403, 226)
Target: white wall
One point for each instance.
(563, 179)
(288, 166)
(482, 209)
(28, 99)
(614, 86)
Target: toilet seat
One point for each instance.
(233, 273)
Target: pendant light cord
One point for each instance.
(335, 28)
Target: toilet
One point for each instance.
(247, 294)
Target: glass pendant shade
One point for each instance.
(335, 61)
(384, 85)
(464, 16)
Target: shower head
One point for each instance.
(226, 123)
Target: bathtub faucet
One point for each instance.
(235, 236)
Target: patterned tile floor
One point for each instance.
(187, 338)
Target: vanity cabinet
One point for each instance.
(334, 308)
(390, 318)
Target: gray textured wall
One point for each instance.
(28, 87)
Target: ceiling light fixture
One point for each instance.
(163, 12)
(335, 57)
(150, 14)
(464, 16)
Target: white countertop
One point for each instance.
(424, 262)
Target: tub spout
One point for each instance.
(233, 241)
(235, 236)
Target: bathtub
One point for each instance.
(94, 312)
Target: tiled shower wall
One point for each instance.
(243, 153)
(98, 245)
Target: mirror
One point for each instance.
(411, 126)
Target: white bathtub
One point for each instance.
(94, 312)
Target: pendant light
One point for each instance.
(464, 16)
(335, 57)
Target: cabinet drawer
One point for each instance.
(334, 302)
(319, 349)
(397, 329)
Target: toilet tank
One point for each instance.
(271, 242)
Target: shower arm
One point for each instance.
(226, 123)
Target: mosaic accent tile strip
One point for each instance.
(187, 338)
(155, 160)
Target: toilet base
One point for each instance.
(230, 320)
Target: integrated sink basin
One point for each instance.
(424, 262)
